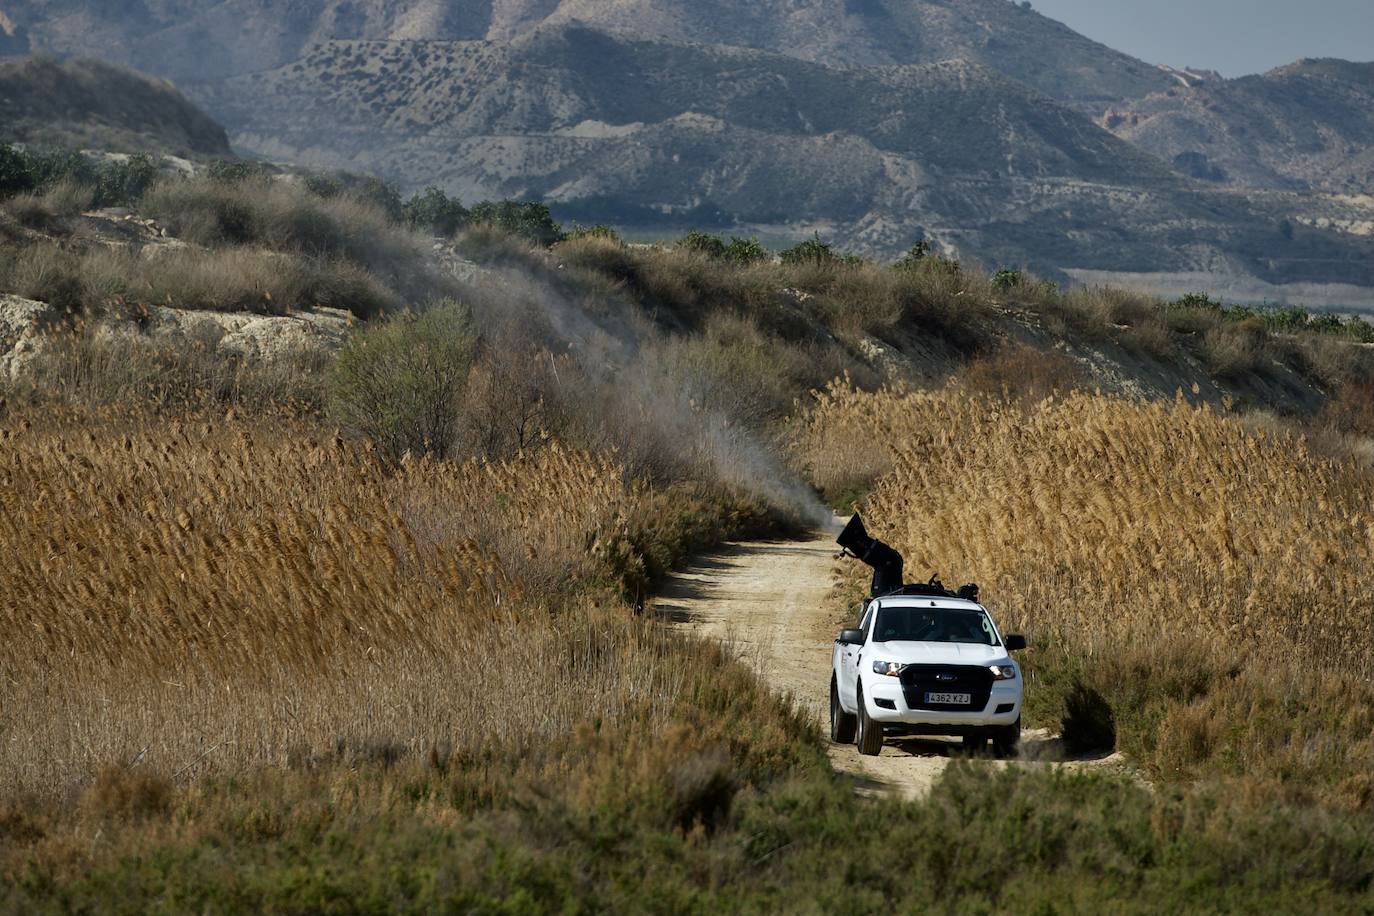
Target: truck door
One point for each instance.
(849, 663)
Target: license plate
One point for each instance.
(950, 699)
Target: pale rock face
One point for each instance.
(254, 339)
(22, 325)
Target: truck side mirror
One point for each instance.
(1015, 642)
(851, 637)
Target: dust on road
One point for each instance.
(766, 600)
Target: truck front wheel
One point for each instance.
(870, 732)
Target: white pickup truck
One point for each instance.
(926, 665)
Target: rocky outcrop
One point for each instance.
(27, 327)
(23, 326)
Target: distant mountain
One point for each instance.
(88, 104)
(190, 40)
(647, 132)
(1308, 126)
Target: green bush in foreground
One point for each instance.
(685, 838)
(398, 383)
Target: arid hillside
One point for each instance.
(88, 104)
(642, 132)
(1307, 126)
(200, 39)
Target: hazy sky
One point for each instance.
(1233, 36)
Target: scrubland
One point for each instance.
(366, 634)
(1196, 588)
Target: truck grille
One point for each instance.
(918, 680)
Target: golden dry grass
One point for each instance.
(1099, 518)
(192, 594)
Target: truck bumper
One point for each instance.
(886, 703)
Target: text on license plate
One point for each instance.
(950, 698)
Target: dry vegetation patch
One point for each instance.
(1196, 574)
(267, 589)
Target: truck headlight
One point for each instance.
(1003, 672)
(890, 669)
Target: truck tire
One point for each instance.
(1006, 739)
(842, 724)
(870, 738)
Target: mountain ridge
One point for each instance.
(1304, 126)
(200, 39)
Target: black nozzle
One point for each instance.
(854, 537)
(886, 562)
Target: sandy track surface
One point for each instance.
(765, 599)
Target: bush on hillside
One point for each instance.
(525, 219)
(812, 251)
(712, 246)
(399, 383)
(16, 171)
(745, 251)
(431, 210)
(914, 255)
(232, 170)
(124, 182)
(1006, 280)
(597, 231)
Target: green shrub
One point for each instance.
(383, 195)
(812, 251)
(324, 186)
(525, 219)
(745, 251)
(1290, 318)
(434, 211)
(1360, 330)
(16, 171)
(914, 255)
(1006, 280)
(598, 231)
(1326, 323)
(713, 246)
(399, 383)
(124, 182)
(1196, 301)
(232, 170)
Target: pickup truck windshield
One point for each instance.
(930, 624)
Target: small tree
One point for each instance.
(914, 255)
(1200, 301)
(16, 171)
(745, 251)
(713, 246)
(1005, 280)
(435, 211)
(812, 251)
(124, 182)
(597, 231)
(399, 383)
(232, 171)
(384, 195)
(528, 219)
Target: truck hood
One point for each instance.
(938, 653)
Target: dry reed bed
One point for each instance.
(188, 594)
(1100, 519)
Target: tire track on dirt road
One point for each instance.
(766, 600)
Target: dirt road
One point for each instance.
(766, 599)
